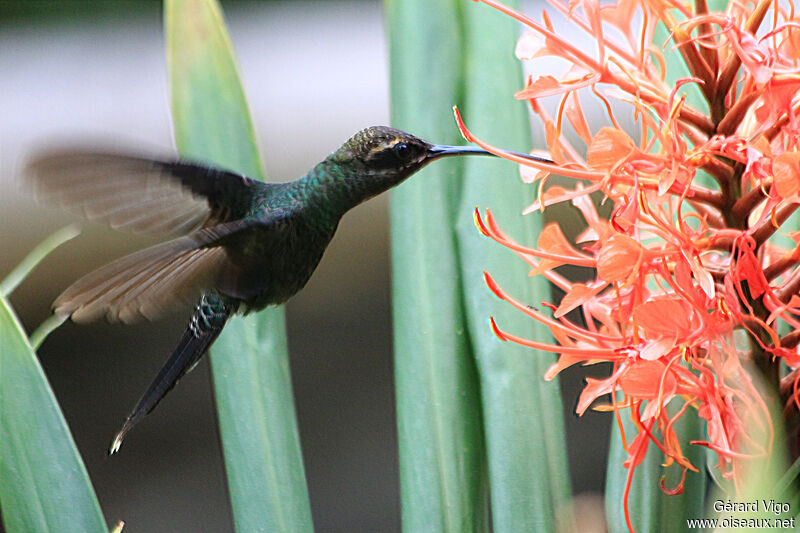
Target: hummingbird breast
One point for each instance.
(275, 263)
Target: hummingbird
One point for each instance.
(234, 244)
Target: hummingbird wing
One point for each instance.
(141, 195)
(172, 275)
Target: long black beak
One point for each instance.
(442, 150)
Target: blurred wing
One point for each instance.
(141, 195)
(152, 282)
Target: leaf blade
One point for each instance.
(522, 413)
(442, 468)
(211, 120)
(266, 479)
(43, 482)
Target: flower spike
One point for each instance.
(695, 274)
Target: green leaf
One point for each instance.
(44, 486)
(210, 117)
(442, 464)
(250, 361)
(522, 413)
(258, 426)
(650, 508)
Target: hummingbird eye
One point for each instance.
(402, 151)
(388, 155)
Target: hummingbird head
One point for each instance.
(388, 156)
(377, 158)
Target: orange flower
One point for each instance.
(694, 279)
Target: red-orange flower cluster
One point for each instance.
(697, 267)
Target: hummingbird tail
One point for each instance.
(207, 321)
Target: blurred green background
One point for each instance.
(92, 74)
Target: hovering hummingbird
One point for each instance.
(237, 244)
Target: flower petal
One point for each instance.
(618, 258)
(608, 148)
(663, 316)
(786, 173)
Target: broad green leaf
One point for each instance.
(249, 362)
(442, 465)
(44, 486)
(522, 414)
(210, 117)
(258, 416)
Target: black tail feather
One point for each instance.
(209, 317)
